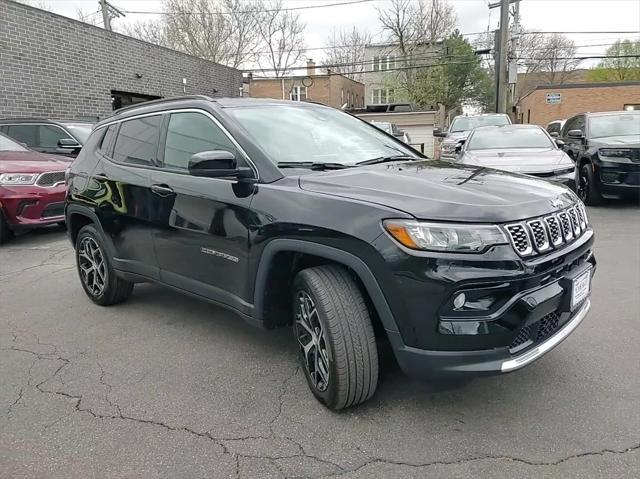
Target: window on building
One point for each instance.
(382, 96)
(376, 63)
(137, 141)
(120, 99)
(383, 63)
(341, 97)
(298, 93)
(191, 133)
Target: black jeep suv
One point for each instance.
(606, 149)
(298, 214)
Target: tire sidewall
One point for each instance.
(590, 195)
(92, 232)
(328, 396)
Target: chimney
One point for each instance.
(311, 67)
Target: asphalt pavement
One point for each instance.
(166, 386)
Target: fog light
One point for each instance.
(458, 301)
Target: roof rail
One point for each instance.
(162, 100)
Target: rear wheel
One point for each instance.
(337, 346)
(5, 232)
(587, 189)
(97, 275)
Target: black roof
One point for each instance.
(43, 120)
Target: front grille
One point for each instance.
(53, 209)
(540, 235)
(523, 336)
(547, 326)
(537, 332)
(51, 178)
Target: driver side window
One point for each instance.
(189, 133)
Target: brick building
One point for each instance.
(548, 102)
(56, 67)
(330, 89)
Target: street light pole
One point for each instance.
(503, 84)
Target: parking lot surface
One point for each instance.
(167, 386)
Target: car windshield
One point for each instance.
(318, 135)
(7, 144)
(624, 124)
(467, 123)
(80, 130)
(497, 138)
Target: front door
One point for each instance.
(201, 232)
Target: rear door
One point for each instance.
(121, 191)
(202, 225)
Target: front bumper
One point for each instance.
(618, 180)
(27, 207)
(428, 364)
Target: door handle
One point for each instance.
(162, 190)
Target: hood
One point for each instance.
(627, 140)
(435, 190)
(533, 160)
(30, 162)
(454, 137)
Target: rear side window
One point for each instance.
(190, 133)
(137, 141)
(50, 134)
(107, 140)
(27, 134)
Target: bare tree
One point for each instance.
(347, 47)
(152, 31)
(553, 56)
(282, 36)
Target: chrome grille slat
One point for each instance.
(539, 235)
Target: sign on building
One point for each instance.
(554, 98)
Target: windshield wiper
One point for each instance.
(386, 159)
(312, 165)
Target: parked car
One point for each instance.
(460, 128)
(48, 136)
(293, 213)
(555, 127)
(525, 149)
(393, 130)
(32, 188)
(606, 149)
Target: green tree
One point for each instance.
(458, 79)
(622, 63)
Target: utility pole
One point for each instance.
(513, 57)
(503, 85)
(106, 19)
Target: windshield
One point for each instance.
(467, 123)
(80, 130)
(288, 133)
(7, 144)
(496, 138)
(625, 124)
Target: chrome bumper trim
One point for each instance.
(544, 347)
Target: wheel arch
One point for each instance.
(77, 217)
(287, 256)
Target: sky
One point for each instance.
(473, 16)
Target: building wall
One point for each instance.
(326, 89)
(577, 99)
(52, 66)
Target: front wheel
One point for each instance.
(97, 276)
(587, 189)
(336, 342)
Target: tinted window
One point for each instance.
(49, 136)
(466, 123)
(137, 141)
(7, 144)
(107, 139)
(554, 128)
(26, 134)
(615, 125)
(575, 123)
(190, 133)
(493, 138)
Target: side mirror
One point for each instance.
(438, 133)
(576, 134)
(216, 164)
(69, 144)
(560, 143)
(554, 134)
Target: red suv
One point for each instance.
(32, 188)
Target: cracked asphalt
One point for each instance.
(166, 386)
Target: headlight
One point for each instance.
(18, 178)
(564, 171)
(444, 237)
(616, 155)
(448, 147)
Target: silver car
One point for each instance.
(460, 128)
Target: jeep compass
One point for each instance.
(296, 214)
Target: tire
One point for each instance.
(5, 232)
(105, 288)
(587, 189)
(345, 341)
